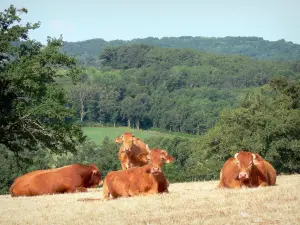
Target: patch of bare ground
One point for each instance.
(187, 203)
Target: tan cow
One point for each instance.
(148, 179)
(132, 151)
(247, 169)
(72, 178)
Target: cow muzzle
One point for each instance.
(156, 170)
(243, 176)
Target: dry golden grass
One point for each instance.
(187, 203)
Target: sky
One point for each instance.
(129, 19)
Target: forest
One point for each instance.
(217, 101)
(87, 52)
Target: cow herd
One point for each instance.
(141, 174)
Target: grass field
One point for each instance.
(187, 203)
(97, 134)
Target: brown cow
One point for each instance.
(132, 151)
(247, 169)
(67, 179)
(148, 179)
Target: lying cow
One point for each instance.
(66, 179)
(132, 151)
(247, 169)
(148, 179)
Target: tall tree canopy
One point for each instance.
(267, 121)
(34, 112)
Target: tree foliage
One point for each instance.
(178, 90)
(33, 105)
(266, 121)
(255, 47)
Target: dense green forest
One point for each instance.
(179, 90)
(87, 52)
(227, 102)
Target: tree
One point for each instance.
(267, 122)
(34, 113)
(80, 96)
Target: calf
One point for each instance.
(148, 179)
(70, 178)
(132, 151)
(247, 169)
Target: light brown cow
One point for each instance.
(72, 178)
(247, 169)
(132, 151)
(148, 179)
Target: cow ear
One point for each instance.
(164, 153)
(165, 156)
(118, 140)
(143, 157)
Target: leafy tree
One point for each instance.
(33, 106)
(267, 122)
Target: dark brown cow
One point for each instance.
(247, 169)
(148, 179)
(67, 179)
(132, 151)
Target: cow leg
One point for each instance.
(68, 189)
(263, 184)
(106, 193)
(80, 189)
(221, 184)
(124, 166)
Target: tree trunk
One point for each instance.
(82, 113)
(128, 123)
(137, 124)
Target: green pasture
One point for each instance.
(97, 134)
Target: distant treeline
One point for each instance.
(179, 90)
(255, 47)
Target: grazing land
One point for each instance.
(187, 203)
(97, 134)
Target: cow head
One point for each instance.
(156, 158)
(126, 140)
(95, 178)
(245, 163)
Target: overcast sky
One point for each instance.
(128, 19)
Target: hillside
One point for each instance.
(255, 47)
(187, 203)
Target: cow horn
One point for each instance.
(236, 154)
(255, 162)
(147, 147)
(94, 171)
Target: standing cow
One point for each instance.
(247, 169)
(67, 179)
(132, 152)
(148, 179)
